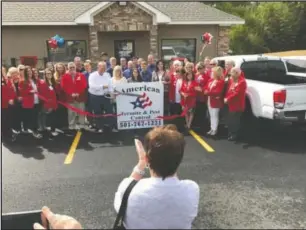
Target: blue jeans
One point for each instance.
(102, 105)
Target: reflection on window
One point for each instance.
(178, 49)
(66, 54)
(297, 66)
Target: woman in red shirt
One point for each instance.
(188, 93)
(13, 76)
(235, 99)
(30, 102)
(61, 112)
(214, 90)
(7, 101)
(48, 91)
(202, 79)
(176, 81)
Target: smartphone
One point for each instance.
(23, 220)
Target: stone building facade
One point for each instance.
(118, 18)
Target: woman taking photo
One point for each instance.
(48, 91)
(161, 75)
(162, 201)
(135, 76)
(30, 103)
(188, 101)
(214, 91)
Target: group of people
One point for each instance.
(75, 96)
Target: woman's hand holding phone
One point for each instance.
(141, 154)
(56, 221)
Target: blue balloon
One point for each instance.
(61, 42)
(56, 37)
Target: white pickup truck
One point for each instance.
(276, 87)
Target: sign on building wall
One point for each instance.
(140, 104)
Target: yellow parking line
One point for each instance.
(202, 142)
(73, 148)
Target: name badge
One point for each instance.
(50, 87)
(78, 79)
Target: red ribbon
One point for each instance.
(85, 113)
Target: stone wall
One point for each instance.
(223, 41)
(121, 18)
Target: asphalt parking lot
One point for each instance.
(256, 183)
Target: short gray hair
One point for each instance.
(112, 58)
(71, 64)
(77, 59)
(231, 62)
(177, 62)
(237, 70)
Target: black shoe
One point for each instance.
(14, 137)
(232, 138)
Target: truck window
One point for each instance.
(255, 70)
(297, 66)
(270, 71)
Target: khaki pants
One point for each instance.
(75, 119)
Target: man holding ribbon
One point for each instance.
(100, 86)
(74, 85)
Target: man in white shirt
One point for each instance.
(100, 85)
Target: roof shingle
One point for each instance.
(69, 11)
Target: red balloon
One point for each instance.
(206, 38)
(52, 43)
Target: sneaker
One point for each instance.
(30, 131)
(54, 133)
(37, 135)
(15, 131)
(100, 130)
(59, 130)
(209, 132)
(232, 138)
(114, 130)
(14, 137)
(213, 133)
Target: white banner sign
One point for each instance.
(140, 104)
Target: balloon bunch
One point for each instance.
(56, 42)
(206, 39)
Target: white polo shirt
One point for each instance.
(97, 81)
(159, 204)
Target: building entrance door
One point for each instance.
(124, 48)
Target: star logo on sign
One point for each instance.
(137, 104)
(142, 102)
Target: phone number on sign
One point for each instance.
(139, 124)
